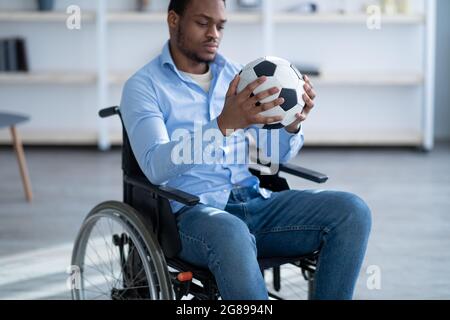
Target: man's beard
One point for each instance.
(188, 53)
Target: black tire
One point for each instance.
(137, 247)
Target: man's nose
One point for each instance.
(213, 32)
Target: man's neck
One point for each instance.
(185, 64)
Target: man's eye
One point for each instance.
(220, 28)
(202, 24)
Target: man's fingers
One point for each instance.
(310, 91)
(247, 92)
(308, 101)
(309, 104)
(259, 119)
(301, 117)
(267, 106)
(269, 120)
(308, 81)
(264, 94)
(232, 89)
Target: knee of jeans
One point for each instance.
(233, 233)
(359, 213)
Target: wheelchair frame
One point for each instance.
(152, 202)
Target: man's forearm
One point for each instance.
(166, 161)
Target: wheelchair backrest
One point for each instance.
(155, 208)
(130, 165)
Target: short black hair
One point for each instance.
(179, 6)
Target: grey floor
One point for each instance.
(407, 190)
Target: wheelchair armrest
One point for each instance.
(107, 112)
(164, 191)
(304, 173)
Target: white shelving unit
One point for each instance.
(116, 31)
(331, 79)
(47, 78)
(347, 19)
(35, 17)
(159, 17)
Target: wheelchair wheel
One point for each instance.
(294, 283)
(116, 256)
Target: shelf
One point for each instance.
(119, 78)
(55, 137)
(116, 137)
(161, 17)
(234, 17)
(323, 18)
(369, 79)
(53, 78)
(329, 79)
(59, 137)
(36, 16)
(364, 138)
(136, 17)
(90, 137)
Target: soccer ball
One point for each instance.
(282, 74)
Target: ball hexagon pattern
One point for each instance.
(282, 74)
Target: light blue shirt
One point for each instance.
(158, 100)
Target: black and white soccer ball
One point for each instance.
(282, 74)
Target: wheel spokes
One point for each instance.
(111, 271)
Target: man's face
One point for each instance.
(200, 29)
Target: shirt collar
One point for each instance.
(166, 59)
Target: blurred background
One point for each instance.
(380, 129)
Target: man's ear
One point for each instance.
(173, 19)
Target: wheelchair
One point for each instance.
(128, 250)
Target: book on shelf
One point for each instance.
(22, 60)
(3, 62)
(13, 55)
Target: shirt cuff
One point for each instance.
(291, 142)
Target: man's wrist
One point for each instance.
(220, 125)
(294, 130)
(223, 127)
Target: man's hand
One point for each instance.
(308, 97)
(243, 110)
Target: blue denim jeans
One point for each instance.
(289, 224)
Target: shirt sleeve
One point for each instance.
(148, 135)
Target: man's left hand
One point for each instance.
(308, 97)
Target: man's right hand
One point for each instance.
(241, 110)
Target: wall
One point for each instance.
(442, 128)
